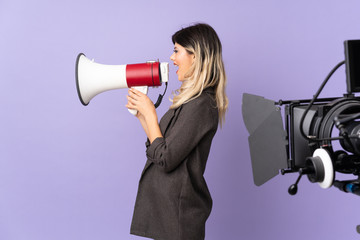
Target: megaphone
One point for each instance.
(93, 78)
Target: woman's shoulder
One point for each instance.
(204, 105)
(206, 99)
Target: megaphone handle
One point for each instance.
(144, 90)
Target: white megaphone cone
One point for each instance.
(93, 78)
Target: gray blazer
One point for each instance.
(173, 200)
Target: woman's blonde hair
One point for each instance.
(207, 70)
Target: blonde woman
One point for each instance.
(173, 200)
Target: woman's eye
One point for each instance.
(175, 51)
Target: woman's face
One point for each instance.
(182, 59)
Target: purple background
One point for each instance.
(71, 172)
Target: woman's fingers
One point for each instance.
(131, 101)
(134, 93)
(134, 96)
(138, 97)
(139, 101)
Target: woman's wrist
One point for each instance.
(153, 130)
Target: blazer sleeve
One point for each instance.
(196, 119)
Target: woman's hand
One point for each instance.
(140, 102)
(146, 113)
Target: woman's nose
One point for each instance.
(172, 57)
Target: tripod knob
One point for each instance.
(293, 189)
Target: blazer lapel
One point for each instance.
(166, 120)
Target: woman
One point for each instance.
(173, 201)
